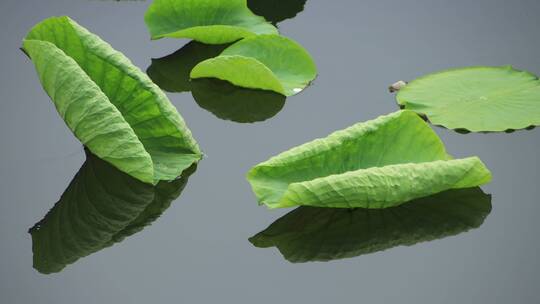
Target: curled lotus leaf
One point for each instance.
(110, 105)
(265, 62)
(375, 164)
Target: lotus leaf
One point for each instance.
(266, 62)
(208, 21)
(476, 98)
(375, 164)
(111, 106)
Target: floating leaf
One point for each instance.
(223, 99)
(266, 62)
(322, 234)
(376, 164)
(101, 206)
(171, 73)
(208, 21)
(476, 98)
(110, 105)
(229, 102)
(276, 11)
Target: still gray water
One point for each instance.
(204, 239)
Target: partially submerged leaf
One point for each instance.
(110, 105)
(100, 207)
(171, 73)
(322, 234)
(229, 102)
(276, 11)
(208, 21)
(375, 164)
(266, 62)
(476, 98)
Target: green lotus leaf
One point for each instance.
(375, 164)
(224, 100)
(476, 98)
(309, 234)
(229, 102)
(208, 21)
(171, 73)
(101, 206)
(266, 62)
(112, 107)
(276, 11)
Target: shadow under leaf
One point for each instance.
(322, 234)
(171, 73)
(100, 207)
(276, 11)
(230, 102)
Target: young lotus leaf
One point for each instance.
(376, 164)
(476, 98)
(208, 21)
(100, 207)
(266, 62)
(112, 107)
(309, 234)
(229, 102)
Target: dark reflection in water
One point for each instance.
(171, 73)
(223, 99)
(229, 102)
(100, 207)
(276, 11)
(323, 234)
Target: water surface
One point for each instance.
(198, 250)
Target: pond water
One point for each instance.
(200, 248)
